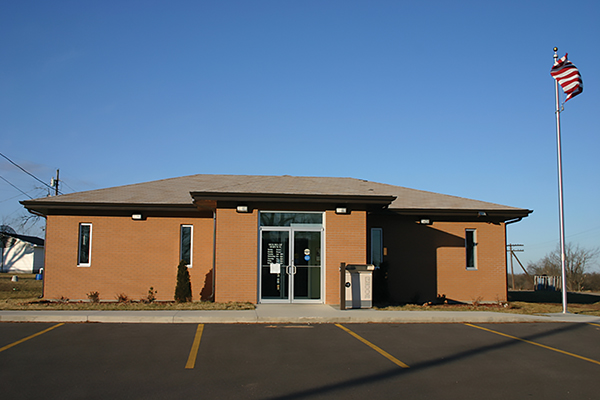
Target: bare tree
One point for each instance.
(30, 221)
(578, 260)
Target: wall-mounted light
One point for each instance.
(137, 217)
(242, 209)
(425, 221)
(481, 214)
(341, 210)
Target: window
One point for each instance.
(376, 246)
(471, 244)
(85, 245)
(291, 219)
(185, 251)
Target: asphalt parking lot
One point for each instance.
(281, 361)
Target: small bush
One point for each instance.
(477, 301)
(94, 297)
(151, 296)
(122, 298)
(183, 289)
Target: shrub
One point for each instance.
(151, 296)
(183, 289)
(94, 297)
(122, 298)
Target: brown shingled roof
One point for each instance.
(176, 192)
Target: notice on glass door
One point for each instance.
(275, 253)
(275, 268)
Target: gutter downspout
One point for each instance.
(214, 261)
(512, 221)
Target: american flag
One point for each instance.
(568, 77)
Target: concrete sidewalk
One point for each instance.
(287, 314)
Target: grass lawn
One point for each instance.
(25, 295)
(522, 302)
(515, 307)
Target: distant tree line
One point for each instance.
(578, 262)
(591, 282)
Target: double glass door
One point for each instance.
(290, 264)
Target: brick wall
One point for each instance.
(127, 257)
(130, 256)
(487, 282)
(424, 261)
(237, 256)
(345, 241)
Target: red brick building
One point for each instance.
(273, 239)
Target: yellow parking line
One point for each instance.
(593, 324)
(29, 337)
(191, 362)
(536, 344)
(376, 348)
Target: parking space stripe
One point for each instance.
(30, 337)
(191, 362)
(593, 324)
(535, 344)
(374, 347)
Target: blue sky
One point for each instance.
(449, 97)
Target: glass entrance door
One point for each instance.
(307, 265)
(290, 266)
(275, 263)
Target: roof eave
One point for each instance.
(383, 200)
(48, 208)
(482, 214)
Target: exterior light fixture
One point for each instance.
(242, 209)
(341, 210)
(136, 217)
(425, 221)
(481, 214)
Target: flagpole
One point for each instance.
(560, 197)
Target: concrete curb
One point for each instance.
(560, 317)
(286, 314)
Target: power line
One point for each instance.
(14, 197)
(555, 242)
(1, 177)
(581, 233)
(67, 185)
(27, 172)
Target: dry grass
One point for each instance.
(25, 295)
(26, 289)
(515, 307)
(127, 306)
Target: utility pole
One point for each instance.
(54, 183)
(511, 248)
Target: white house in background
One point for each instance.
(21, 254)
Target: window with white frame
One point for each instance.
(186, 240)
(84, 250)
(471, 248)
